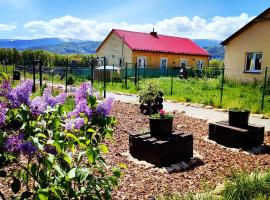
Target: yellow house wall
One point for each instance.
(255, 39)
(173, 60)
(112, 49)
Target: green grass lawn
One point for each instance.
(205, 91)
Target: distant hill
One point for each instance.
(70, 46)
(212, 46)
(86, 47)
(24, 44)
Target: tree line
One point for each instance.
(10, 56)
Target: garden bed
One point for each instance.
(139, 183)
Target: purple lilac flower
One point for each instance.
(51, 100)
(81, 107)
(20, 94)
(37, 106)
(50, 149)
(3, 111)
(28, 148)
(5, 88)
(75, 123)
(104, 108)
(13, 144)
(82, 91)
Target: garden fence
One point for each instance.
(211, 86)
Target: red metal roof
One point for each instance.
(161, 43)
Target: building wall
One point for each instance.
(254, 39)
(112, 50)
(173, 60)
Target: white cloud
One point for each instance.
(7, 27)
(196, 27)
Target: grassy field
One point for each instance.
(205, 91)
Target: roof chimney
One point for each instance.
(153, 33)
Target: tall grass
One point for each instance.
(241, 186)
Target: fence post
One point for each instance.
(222, 85)
(136, 73)
(104, 77)
(34, 77)
(113, 74)
(264, 87)
(171, 82)
(40, 73)
(126, 76)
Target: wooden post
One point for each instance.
(104, 77)
(264, 88)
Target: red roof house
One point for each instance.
(151, 50)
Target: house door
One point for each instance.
(163, 66)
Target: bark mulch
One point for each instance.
(140, 183)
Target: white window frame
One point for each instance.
(253, 59)
(161, 63)
(200, 64)
(141, 58)
(183, 61)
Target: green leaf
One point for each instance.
(81, 174)
(43, 194)
(59, 170)
(90, 130)
(71, 173)
(103, 148)
(80, 155)
(91, 155)
(67, 158)
(41, 135)
(16, 185)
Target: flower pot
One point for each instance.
(238, 118)
(160, 128)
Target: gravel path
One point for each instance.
(201, 113)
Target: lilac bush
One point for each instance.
(64, 150)
(104, 108)
(3, 112)
(5, 88)
(20, 94)
(37, 106)
(51, 100)
(75, 123)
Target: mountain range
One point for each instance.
(71, 46)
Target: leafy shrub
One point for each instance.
(150, 94)
(70, 80)
(64, 151)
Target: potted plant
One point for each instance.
(239, 117)
(161, 124)
(151, 99)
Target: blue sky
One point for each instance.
(92, 20)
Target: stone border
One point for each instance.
(253, 151)
(197, 160)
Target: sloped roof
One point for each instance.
(164, 44)
(256, 19)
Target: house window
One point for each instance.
(141, 62)
(200, 64)
(253, 62)
(163, 63)
(183, 63)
